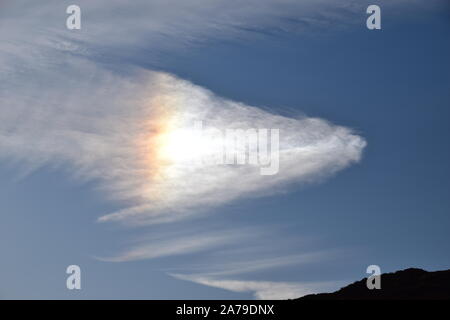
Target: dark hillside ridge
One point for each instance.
(410, 283)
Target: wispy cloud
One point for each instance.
(236, 275)
(183, 243)
(265, 290)
(244, 266)
(106, 133)
(156, 24)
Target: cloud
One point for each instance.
(247, 265)
(182, 243)
(82, 103)
(176, 186)
(113, 31)
(107, 127)
(107, 133)
(264, 290)
(108, 24)
(62, 108)
(233, 272)
(169, 248)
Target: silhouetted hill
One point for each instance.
(405, 284)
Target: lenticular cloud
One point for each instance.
(135, 136)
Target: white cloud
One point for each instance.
(309, 149)
(152, 24)
(264, 290)
(101, 126)
(59, 109)
(183, 243)
(114, 29)
(245, 266)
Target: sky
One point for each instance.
(85, 178)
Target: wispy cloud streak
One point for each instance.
(263, 290)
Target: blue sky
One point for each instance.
(390, 208)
